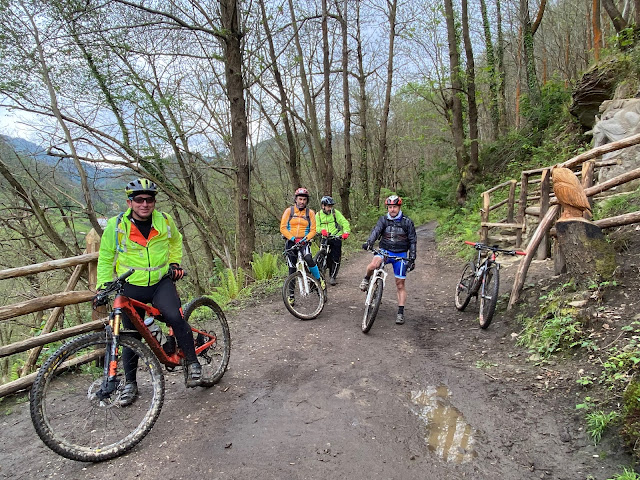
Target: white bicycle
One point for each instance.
(302, 294)
(376, 287)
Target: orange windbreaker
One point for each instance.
(298, 226)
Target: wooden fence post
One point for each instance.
(522, 205)
(486, 204)
(512, 201)
(587, 179)
(545, 193)
(93, 246)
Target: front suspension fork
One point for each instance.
(110, 375)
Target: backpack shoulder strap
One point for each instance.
(306, 213)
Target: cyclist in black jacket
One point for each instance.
(397, 236)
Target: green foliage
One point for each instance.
(617, 205)
(587, 404)
(621, 363)
(484, 364)
(555, 96)
(230, 285)
(627, 474)
(266, 266)
(598, 422)
(555, 328)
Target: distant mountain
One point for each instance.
(106, 181)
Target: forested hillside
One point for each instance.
(354, 98)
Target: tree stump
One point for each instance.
(587, 254)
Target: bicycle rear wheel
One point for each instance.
(68, 414)
(464, 285)
(303, 305)
(210, 326)
(489, 295)
(371, 310)
(321, 261)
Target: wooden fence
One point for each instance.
(544, 205)
(56, 301)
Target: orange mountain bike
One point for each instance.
(75, 400)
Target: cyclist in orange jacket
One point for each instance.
(298, 224)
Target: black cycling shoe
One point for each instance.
(193, 374)
(129, 394)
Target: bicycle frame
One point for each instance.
(301, 266)
(379, 273)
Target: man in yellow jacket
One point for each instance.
(147, 241)
(298, 224)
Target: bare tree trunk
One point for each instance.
(327, 177)
(494, 112)
(246, 234)
(345, 186)
(472, 166)
(597, 30)
(89, 210)
(362, 114)
(316, 150)
(502, 95)
(384, 119)
(293, 160)
(528, 50)
(455, 103)
(619, 22)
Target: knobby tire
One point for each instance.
(208, 322)
(371, 310)
(68, 415)
(305, 306)
(489, 295)
(464, 286)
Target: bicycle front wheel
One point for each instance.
(74, 419)
(464, 285)
(489, 295)
(210, 327)
(304, 301)
(371, 310)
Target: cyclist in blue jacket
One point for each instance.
(398, 238)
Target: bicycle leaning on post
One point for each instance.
(302, 294)
(374, 292)
(75, 400)
(481, 279)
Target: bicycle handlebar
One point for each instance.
(494, 248)
(296, 246)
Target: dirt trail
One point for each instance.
(321, 400)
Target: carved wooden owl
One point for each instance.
(569, 193)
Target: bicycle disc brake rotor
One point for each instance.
(99, 399)
(201, 339)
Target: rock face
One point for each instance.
(596, 86)
(619, 119)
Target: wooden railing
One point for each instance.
(534, 199)
(586, 161)
(56, 301)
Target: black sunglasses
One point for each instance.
(140, 200)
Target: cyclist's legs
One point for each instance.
(376, 261)
(400, 272)
(402, 292)
(166, 299)
(292, 258)
(333, 260)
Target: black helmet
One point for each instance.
(327, 200)
(141, 185)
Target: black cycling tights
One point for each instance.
(164, 296)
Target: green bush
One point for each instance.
(266, 266)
